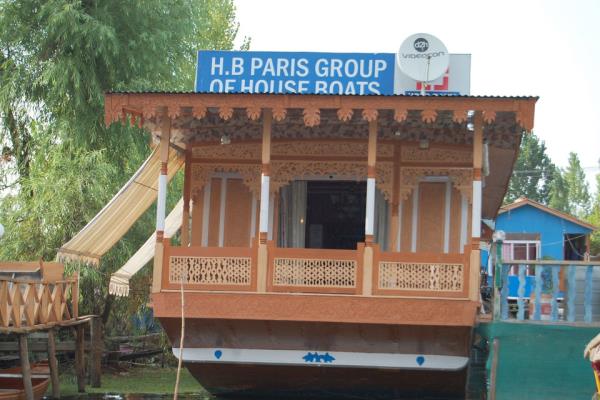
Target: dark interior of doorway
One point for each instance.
(574, 246)
(335, 214)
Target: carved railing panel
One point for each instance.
(210, 270)
(322, 273)
(421, 274)
(436, 277)
(314, 270)
(32, 303)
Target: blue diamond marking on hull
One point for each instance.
(420, 360)
(318, 358)
(218, 354)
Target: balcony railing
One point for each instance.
(299, 270)
(550, 290)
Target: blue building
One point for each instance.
(534, 232)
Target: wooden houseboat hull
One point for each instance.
(313, 359)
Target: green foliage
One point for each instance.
(533, 172)
(559, 192)
(569, 191)
(59, 164)
(594, 218)
(579, 194)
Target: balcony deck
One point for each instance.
(364, 285)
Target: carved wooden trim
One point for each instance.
(489, 116)
(243, 151)
(436, 155)
(329, 149)
(460, 115)
(283, 172)
(312, 116)
(400, 114)
(345, 114)
(370, 114)
(199, 111)
(253, 113)
(410, 177)
(384, 178)
(225, 112)
(429, 116)
(201, 173)
(279, 113)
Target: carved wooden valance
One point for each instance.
(118, 106)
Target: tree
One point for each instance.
(559, 192)
(533, 172)
(579, 194)
(594, 218)
(59, 162)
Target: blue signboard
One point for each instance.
(302, 73)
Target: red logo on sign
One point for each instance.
(442, 87)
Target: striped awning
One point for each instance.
(119, 281)
(115, 219)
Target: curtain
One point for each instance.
(292, 215)
(381, 221)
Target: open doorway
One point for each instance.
(335, 214)
(574, 246)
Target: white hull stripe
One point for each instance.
(322, 358)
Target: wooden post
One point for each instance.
(185, 223)
(25, 366)
(96, 352)
(263, 223)
(368, 255)
(79, 358)
(165, 138)
(475, 258)
(494, 369)
(395, 221)
(53, 363)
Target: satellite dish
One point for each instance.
(423, 57)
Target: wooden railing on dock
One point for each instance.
(557, 291)
(30, 303)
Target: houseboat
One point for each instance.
(330, 231)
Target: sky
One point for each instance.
(549, 49)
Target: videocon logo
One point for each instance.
(421, 45)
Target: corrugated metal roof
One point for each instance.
(188, 92)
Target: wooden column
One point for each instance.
(165, 137)
(371, 160)
(474, 275)
(263, 223)
(185, 223)
(53, 363)
(96, 345)
(367, 289)
(395, 222)
(79, 358)
(25, 366)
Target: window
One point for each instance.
(521, 250)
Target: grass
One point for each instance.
(139, 380)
